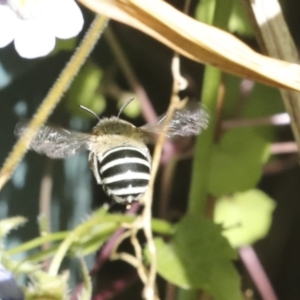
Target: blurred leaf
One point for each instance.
(90, 246)
(45, 286)
(237, 161)
(18, 267)
(239, 22)
(263, 101)
(100, 226)
(84, 91)
(199, 257)
(37, 242)
(162, 226)
(169, 266)
(246, 217)
(233, 86)
(187, 294)
(9, 224)
(41, 256)
(205, 11)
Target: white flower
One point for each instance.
(34, 24)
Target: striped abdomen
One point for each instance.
(125, 173)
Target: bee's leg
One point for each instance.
(94, 166)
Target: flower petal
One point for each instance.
(8, 287)
(34, 39)
(68, 19)
(8, 23)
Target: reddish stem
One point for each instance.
(257, 273)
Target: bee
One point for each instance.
(118, 155)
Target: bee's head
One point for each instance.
(113, 126)
(120, 111)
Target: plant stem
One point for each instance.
(211, 84)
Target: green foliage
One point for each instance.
(238, 20)
(162, 227)
(170, 266)
(231, 165)
(205, 11)
(233, 86)
(237, 161)
(199, 257)
(85, 91)
(45, 286)
(85, 239)
(263, 101)
(246, 217)
(239, 23)
(10, 224)
(187, 294)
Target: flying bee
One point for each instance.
(119, 157)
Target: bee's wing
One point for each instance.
(185, 122)
(56, 142)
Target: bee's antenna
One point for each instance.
(124, 106)
(90, 111)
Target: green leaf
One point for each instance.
(187, 294)
(246, 217)
(169, 265)
(162, 226)
(232, 95)
(9, 224)
(263, 101)
(271, 104)
(205, 11)
(239, 22)
(237, 161)
(199, 257)
(45, 286)
(17, 267)
(252, 107)
(37, 242)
